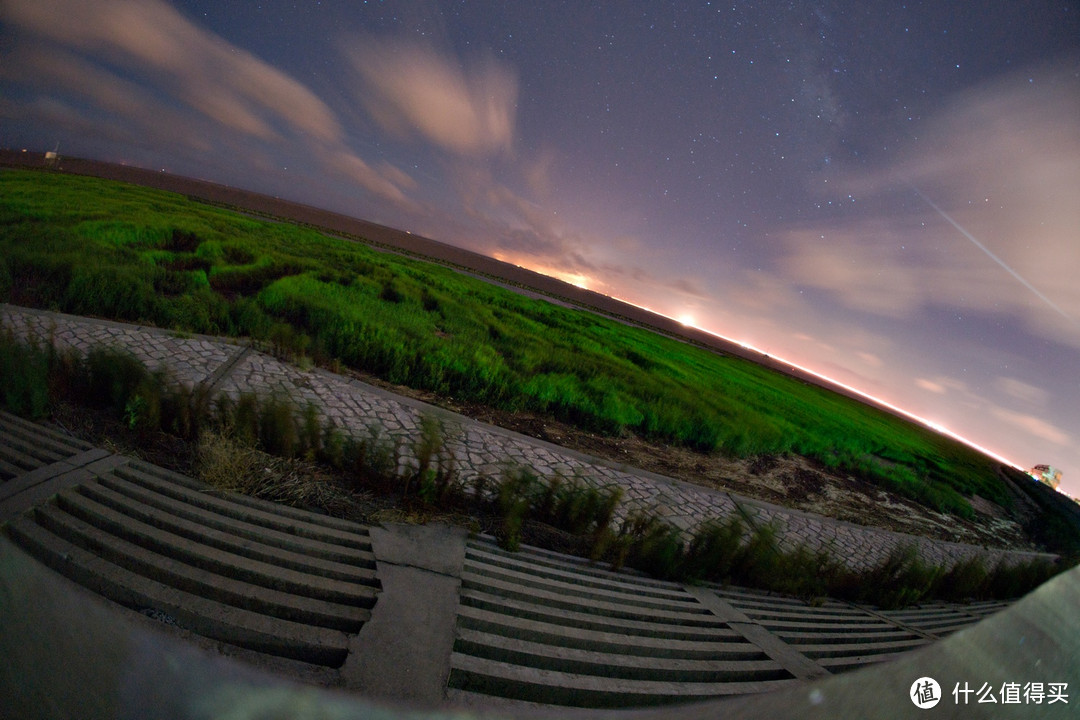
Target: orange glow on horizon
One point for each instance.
(576, 279)
(931, 424)
(688, 320)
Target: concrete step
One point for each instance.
(198, 555)
(748, 597)
(854, 662)
(781, 614)
(835, 650)
(233, 543)
(592, 576)
(596, 608)
(560, 635)
(16, 462)
(308, 517)
(582, 590)
(181, 576)
(308, 526)
(585, 620)
(629, 667)
(488, 705)
(217, 518)
(38, 438)
(554, 559)
(943, 628)
(206, 617)
(9, 470)
(489, 677)
(837, 637)
(865, 624)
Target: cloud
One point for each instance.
(1020, 390)
(930, 385)
(411, 89)
(144, 65)
(869, 358)
(223, 82)
(1003, 162)
(1033, 426)
(859, 263)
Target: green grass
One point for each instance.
(94, 247)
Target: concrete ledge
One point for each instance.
(597, 577)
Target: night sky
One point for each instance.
(885, 193)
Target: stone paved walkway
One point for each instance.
(230, 367)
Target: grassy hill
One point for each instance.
(95, 247)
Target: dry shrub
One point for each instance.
(228, 464)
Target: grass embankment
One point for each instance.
(95, 247)
(271, 450)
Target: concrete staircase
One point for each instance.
(253, 574)
(419, 614)
(540, 627)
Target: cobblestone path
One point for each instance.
(231, 367)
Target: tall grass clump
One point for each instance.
(24, 375)
(435, 478)
(573, 507)
(902, 578)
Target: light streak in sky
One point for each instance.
(992, 256)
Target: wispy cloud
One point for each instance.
(1033, 425)
(410, 88)
(1022, 391)
(219, 80)
(146, 66)
(931, 386)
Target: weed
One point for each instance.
(376, 459)
(513, 500)
(965, 580)
(228, 456)
(650, 544)
(712, 550)
(224, 462)
(114, 376)
(902, 578)
(333, 447)
(311, 433)
(24, 376)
